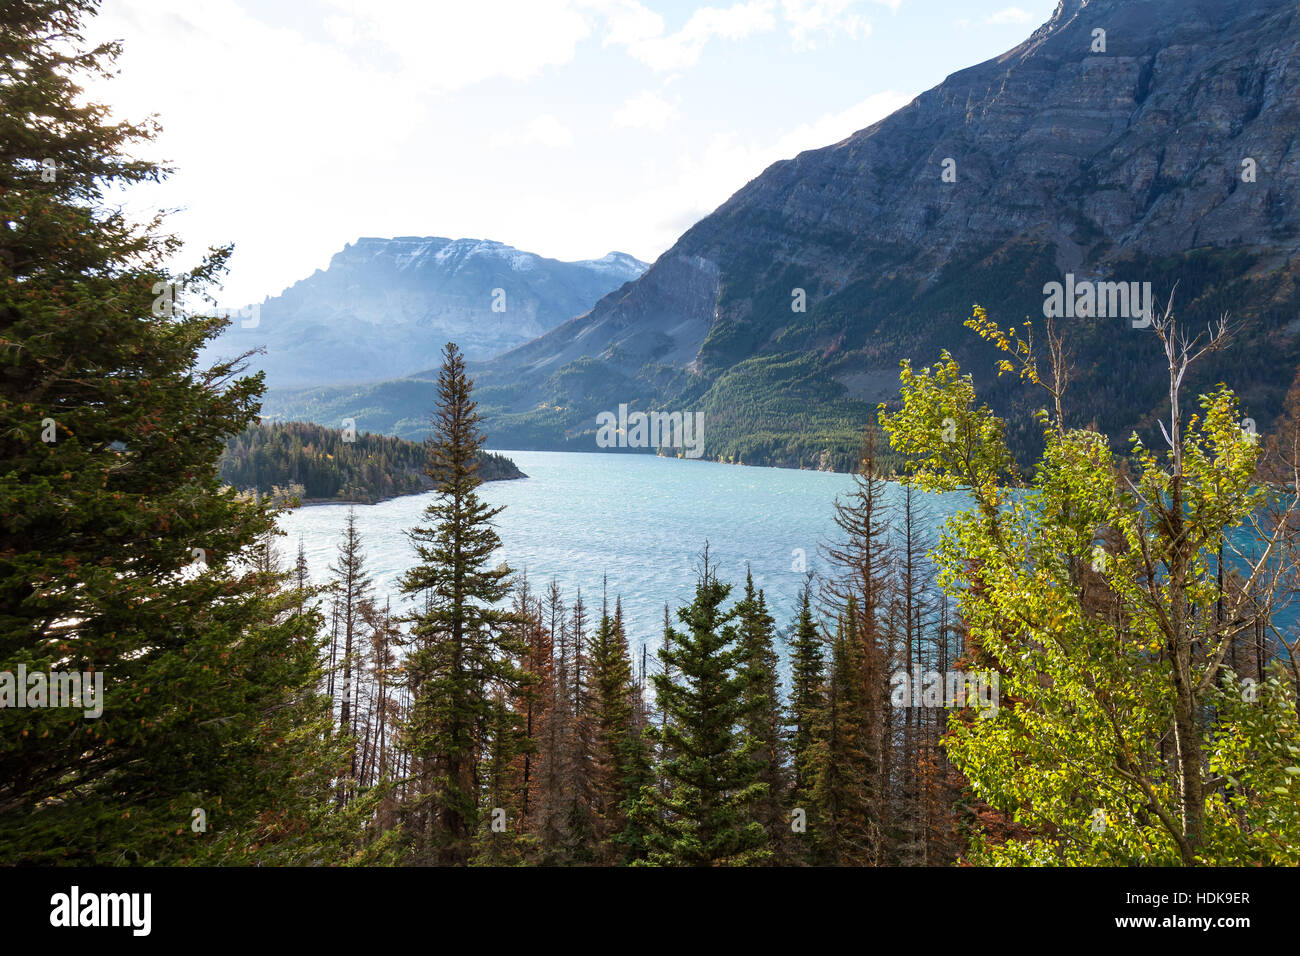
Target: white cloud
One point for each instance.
(343, 29)
(544, 130)
(831, 17)
(451, 45)
(279, 126)
(362, 120)
(704, 180)
(1010, 15)
(647, 110)
(834, 127)
(627, 21)
(642, 32)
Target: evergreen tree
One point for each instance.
(463, 643)
(807, 676)
(352, 587)
(580, 761)
(119, 552)
(533, 701)
(325, 464)
(858, 594)
(704, 818)
(861, 558)
(638, 766)
(843, 756)
(554, 790)
(301, 575)
(621, 765)
(660, 738)
(499, 841)
(763, 721)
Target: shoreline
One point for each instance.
(313, 502)
(702, 458)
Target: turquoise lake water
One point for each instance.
(640, 520)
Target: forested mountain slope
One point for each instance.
(1148, 141)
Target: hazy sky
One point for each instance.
(565, 127)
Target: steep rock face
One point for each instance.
(1123, 164)
(1137, 148)
(1141, 145)
(664, 319)
(385, 307)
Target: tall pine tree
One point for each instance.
(464, 643)
(621, 766)
(807, 678)
(844, 756)
(120, 553)
(764, 721)
(351, 585)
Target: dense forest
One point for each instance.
(329, 464)
(1011, 695)
(1095, 664)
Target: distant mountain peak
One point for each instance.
(619, 262)
(384, 307)
(413, 250)
(1125, 141)
(1144, 140)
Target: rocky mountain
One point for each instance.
(1147, 141)
(385, 307)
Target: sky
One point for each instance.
(568, 128)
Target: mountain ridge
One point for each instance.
(385, 307)
(1124, 163)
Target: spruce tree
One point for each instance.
(120, 553)
(638, 763)
(500, 841)
(660, 737)
(464, 643)
(554, 789)
(763, 721)
(301, 575)
(620, 761)
(533, 701)
(580, 811)
(844, 758)
(705, 819)
(807, 678)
